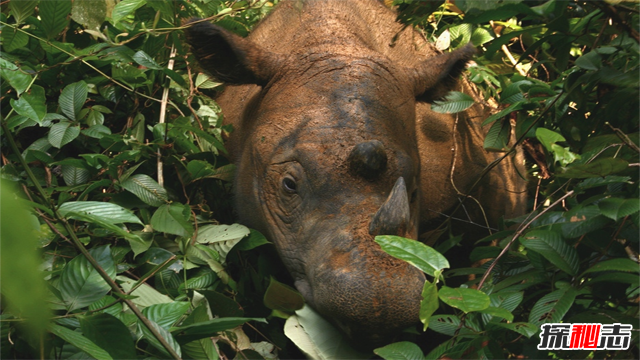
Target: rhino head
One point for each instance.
(326, 160)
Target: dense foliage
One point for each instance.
(113, 165)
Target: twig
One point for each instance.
(163, 114)
(506, 51)
(517, 235)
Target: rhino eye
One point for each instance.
(289, 185)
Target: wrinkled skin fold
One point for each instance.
(333, 148)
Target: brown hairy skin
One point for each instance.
(317, 78)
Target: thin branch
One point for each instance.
(517, 235)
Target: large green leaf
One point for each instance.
(138, 245)
(63, 133)
(125, 8)
(173, 219)
(90, 13)
(81, 284)
(145, 294)
(453, 102)
(317, 338)
(429, 303)
(53, 16)
(444, 324)
(32, 105)
(13, 39)
(79, 341)
(72, 99)
(620, 264)
(555, 249)
(222, 238)
(146, 189)
(22, 9)
(17, 78)
(403, 350)
(142, 58)
(616, 208)
(108, 212)
(597, 168)
(110, 334)
(464, 299)
(282, 297)
(168, 337)
(166, 314)
(552, 307)
(205, 329)
(497, 138)
(74, 175)
(415, 253)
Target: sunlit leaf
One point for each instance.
(464, 299)
(146, 189)
(403, 350)
(108, 212)
(415, 253)
(453, 102)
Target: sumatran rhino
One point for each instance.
(332, 148)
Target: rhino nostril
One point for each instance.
(368, 159)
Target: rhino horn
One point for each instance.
(368, 159)
(393, 217)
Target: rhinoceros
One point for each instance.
(335, 143)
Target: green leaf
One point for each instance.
(317, 338)
(444, 324)
(601, 181)
(282, 297)
(138, 245)
(168, 337)
(22, 9)
(551, 245)
(589, 61)
(166, 314)
(173, 219)
(497, 138)
(222, 238)
(415, 253)
(97, 131)
(74, 175)
(207, 328)
(254, 240)
(552, 307)
(523, 328)
(453, 102)
(146, 189)
(94, 117)
(90, 13)
(616, 208)
(79, 341)
(142, 58)
(72, 99)
(499, 115)
(548, 137)
(13, 39)
(125, 8)
(108, 212)
(63, 133)
(429, 303)
(620, 264)
(53, 15)
(403, 350)
(32, 105)
(110, 334)
(597, 168)
(499, 312)
(18, 79)
(145, 295)
(464, 299)
(81, 284)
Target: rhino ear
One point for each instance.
(230, 58)
(436, 76)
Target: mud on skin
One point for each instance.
(334, 144)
